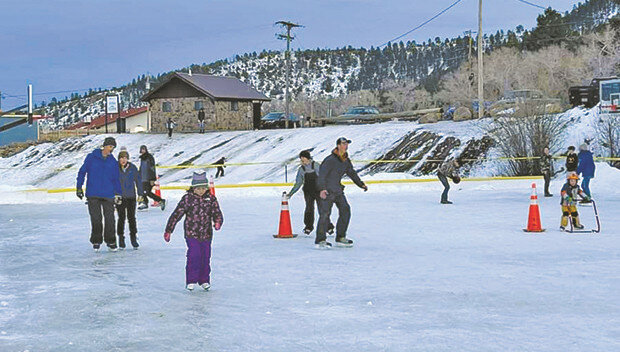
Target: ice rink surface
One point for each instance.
(421, 277)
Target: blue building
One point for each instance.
(17, 130)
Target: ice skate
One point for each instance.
(190, 287)
(206, 286)
(344, 242)
(323, 245)
(307, 231)
(96, 247)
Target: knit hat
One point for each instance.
(343, 140)
(583, 147)
(305, 154)
(123, 153)
(109, 141)
(199, 179)
(571, 148)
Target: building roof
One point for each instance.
(217, 87)
(99, 121)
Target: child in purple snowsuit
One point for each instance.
(201, 212)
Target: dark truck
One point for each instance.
(587, 96)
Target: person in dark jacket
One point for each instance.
(332, 169)
(170, 126)
(148, 175)
(546, 167)
(448, 169)
(201, 120)
(103, 190)
(586, 168)
(202, 213)
(307, 176)
(220, 167)
(130, 181)
(572, 160)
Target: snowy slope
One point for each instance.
(54, 165)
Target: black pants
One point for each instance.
(95, 207)
(547, 177)
(148, 192)
(170, 133)
(127, 210)
(325, 209)
(220, 171)
(446, 187)
(311, 198)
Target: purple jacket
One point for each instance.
(200, 214)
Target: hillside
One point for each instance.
(329, 73)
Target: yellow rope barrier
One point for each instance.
(289, 184)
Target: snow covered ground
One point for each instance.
(421, 277)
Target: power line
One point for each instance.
(423, 24)
(532, 4)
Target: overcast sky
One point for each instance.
(59, 45)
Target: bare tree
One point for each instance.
(521, 138)
(608, 131)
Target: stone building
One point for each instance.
(228, 103)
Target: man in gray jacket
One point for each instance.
(445, 171)
(333, 168)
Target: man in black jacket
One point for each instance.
(333, 167)
(148, 175)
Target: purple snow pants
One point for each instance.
(198, 268)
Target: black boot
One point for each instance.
(134, 241)
(121, 241)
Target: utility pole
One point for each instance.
(287, 36)
(480, 77)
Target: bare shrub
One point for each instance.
(520, 138)
(608, 132)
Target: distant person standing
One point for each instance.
(130, 182)
(546, 167)
(220, 167)
(170, 126)
(103, 190)
(201, 120)
(448, 169)
(586, 168)
(307, 176)
(148, 175)
(572, 160)
(332, 169)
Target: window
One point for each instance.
(166, 106)
(234, 106)
(199, 104)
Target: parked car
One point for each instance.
(525, 102)
(277, 119)
(362, 110)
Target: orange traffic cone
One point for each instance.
(157, 192)
(533, 221)
(285, 230)
(211, 186)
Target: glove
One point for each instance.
(365, 188)
(118, 200)
(79, 193)
(152, 183)
(167, 236)
(586, 198)
(140, 199)
(323, 194)
(286, 195)
(217, 226)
